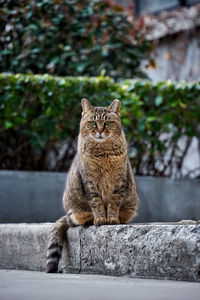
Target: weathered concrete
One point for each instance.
(36, 197)
(170, 251)
(148, 251)
(23, 285)
(22, 246)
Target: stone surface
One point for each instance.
(71, 257)
(169, 22)
(22, 246)
(168, 251)
(23, 285)
(148, 251)
(37, 197)
(178, 59)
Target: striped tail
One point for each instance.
(54, 249)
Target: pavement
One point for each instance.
(23, 285)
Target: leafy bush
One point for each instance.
(39, 120)
(70, 37)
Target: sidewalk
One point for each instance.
(23, 285)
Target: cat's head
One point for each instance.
(100, 123)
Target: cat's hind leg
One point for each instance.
(126, 215)
(129, 209)
(81, 218)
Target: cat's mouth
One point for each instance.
(100, 137)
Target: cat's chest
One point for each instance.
(106, 166)
(106, 174)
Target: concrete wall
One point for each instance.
(31, 196)
(37, 197)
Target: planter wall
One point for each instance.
(37, 197)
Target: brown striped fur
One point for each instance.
(100, 187)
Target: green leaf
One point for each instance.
(81, 66)
(151, 119)
(7, 124)
(158, 100)
(125, 121)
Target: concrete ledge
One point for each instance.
(168, 251)
(22, 246)
(25, 197)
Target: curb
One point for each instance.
(156, 250)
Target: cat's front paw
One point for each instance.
(113, 220)
(100, 221)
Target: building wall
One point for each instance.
(177, 58)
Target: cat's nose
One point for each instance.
(100, 130)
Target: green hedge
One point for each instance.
(71, 37)
(40, 114)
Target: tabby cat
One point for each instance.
(100, 187)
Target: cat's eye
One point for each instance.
(93, 123)
(107, 123)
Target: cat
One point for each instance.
(100, 187)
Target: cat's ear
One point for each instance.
(86, 106)
(115, 106)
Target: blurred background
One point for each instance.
(53, 53)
